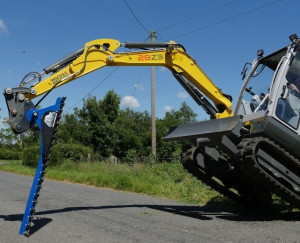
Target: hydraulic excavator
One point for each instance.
(247, 153)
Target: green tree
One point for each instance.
(98, 118)
(12, 141)
(109, 130)
(30, 138)
(72, 129)
(7, 138)
(12, 145)
(184, 115)
(134, 133)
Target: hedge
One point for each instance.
(59, 153)
(31, 156)
(10, 154)
(67, 151)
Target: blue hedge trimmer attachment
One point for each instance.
(23, 115)
(47, 121)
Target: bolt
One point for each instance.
(19, 128)
(110, 58)
(8, 91)
(13, 111)
(21, 97)
(32, 91)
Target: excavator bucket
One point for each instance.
(222, 132)
(209, 129)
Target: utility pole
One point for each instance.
(153, 141)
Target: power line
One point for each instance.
(137, 19)
(227, 19)
(102, 81)
(198, 15)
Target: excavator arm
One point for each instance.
(102, 52)
(23, 113)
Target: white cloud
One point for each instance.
(182, 95)
(3, 28)
(130, 102)
(168, 108)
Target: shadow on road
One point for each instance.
(207, 212)
(37, 223)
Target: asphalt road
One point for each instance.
(76, 213)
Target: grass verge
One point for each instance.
(167, 180)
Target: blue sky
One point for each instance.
(220, 34)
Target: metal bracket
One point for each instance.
(18, 106)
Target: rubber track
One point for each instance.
(189, 163)
(247, 148)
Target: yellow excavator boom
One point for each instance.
(101, 52)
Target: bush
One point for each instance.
(131, 156)
(10, 154)
(30, 156)
(67, 151)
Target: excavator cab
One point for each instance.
(288, 104)
(273, 87)
(255, 93)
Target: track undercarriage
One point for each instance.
(251, 177)
(245, 167)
